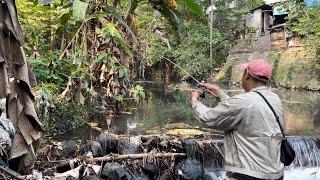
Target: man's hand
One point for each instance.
(211, 88)
(195, 95)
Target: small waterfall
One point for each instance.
(307, 151)
(213, 159)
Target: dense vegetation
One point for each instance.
(89, 53)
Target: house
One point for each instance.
(266, 30)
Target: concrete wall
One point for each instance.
(294, 69)
(254, 20)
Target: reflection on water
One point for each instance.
(302, 110)
(162, 108)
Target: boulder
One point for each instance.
(96, 149)
(108, 144)
(190, 169)
(150, 169)
(131, 145)
(69, 149)
(114, 171)
(168, 175)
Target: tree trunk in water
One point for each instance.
(167, 73)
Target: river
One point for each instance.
(163, 107)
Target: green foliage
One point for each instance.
(51, 72)
(109, 33)
(41, 24)
(119, 19)
(66, 116)
(193, 54)
(304, 22)
(138, 93)
(193, 6)
(79, 10)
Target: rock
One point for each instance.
(192, 149)
(93, 177)
(114, 171)
(168, 175)
(150, 169)
(71, 178)
(190, 169)
(87, 147)
(69, 149)
(96, 149)
(210, 176)
(49, 172)
(140, 175)
(108, 144)
(130, 146)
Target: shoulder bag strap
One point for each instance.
(277, 117)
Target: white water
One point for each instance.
(292, 174)
(306, 166)
(302, 174)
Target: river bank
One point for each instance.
(156, 157)
(160, 127)
(292, 69)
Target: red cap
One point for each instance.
(259, 69)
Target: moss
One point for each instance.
(291, 69)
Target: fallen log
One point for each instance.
(114, 158)
(135, 156)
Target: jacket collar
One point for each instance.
(259, 88)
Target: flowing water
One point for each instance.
(163, 108)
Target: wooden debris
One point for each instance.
(115, 158)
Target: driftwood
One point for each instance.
(135, 156)
(13, 174)
(115, 158)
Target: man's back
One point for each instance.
(257, 139)
(252, 134)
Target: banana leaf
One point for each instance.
(119, 19)
(110, 31)
(179, 24)
(79, 10)
(193, 6)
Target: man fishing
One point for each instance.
(252, 135)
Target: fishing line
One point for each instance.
(202, 93)
(183, 70)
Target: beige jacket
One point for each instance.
(252, 135)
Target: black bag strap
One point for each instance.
(275, 114)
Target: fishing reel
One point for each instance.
(201, 90)
(202, 93)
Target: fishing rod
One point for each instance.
(183, 70)
(201, 91)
